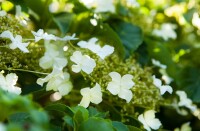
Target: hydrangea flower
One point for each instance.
(184, 101)
(149, 121)
(100, 5)
(106, 50)
(52, 58)
(166, 31)
(163, 88)
(121, 85)
(40, 34)
(93, 95)
(83, 62)
(57, 81)
(8, 83)
(16, 41)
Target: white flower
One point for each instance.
(163, 88)
(67, 38)
(21, 16)
(133, 3)
(149, 121)
(8, 83)
(121, 85)
(52, 58)
(166, 31)
(83, 62)
(93, 95)
(54, 6)
(40, 34)
(196, 20)
(157, 63)
(57, 81)
(92, 46)
(184, 101)
(99, 5)
(2, 127)
(3, 13)
(184, 127)
(16, 42)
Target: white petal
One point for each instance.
(142, 120)
(3, 13)
(54, 83)
(156, 82)
(165, 88)
(46, 62)
(96, 94)
(85, 91)
(150, 119)
(85, 101)
(82, 44)
(76, 57)
(115, 77)
(65, 88)
(2, 82)
(127, 82)
(60, 62)
(7, 34)
(76, 68)
(11, 79)
(88, 64)
(126, 94)
(114, 88)
(105, 51)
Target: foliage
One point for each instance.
(66, 40)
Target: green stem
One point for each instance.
(36, 72)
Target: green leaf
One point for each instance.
(119, 126)
(63, 21)
(68, 120)
(80, 114)
(130, 35)
(60, 108)
(93, 112)
(96, 124)
(133, 128)
(39, 117)
(190, 82)
(19, 117)
(161, 53)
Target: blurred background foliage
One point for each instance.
(130, 30)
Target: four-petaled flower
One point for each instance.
(121, 85)
(184, 101)
(57, 81)
(40, 34)
(8, 83)
(52, 58)
(16, 42)
(149, 121)
(102, 52)
(162, 88)
(166, 31)
(83, 62)
(93, 95)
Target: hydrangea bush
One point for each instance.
(104, 65)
